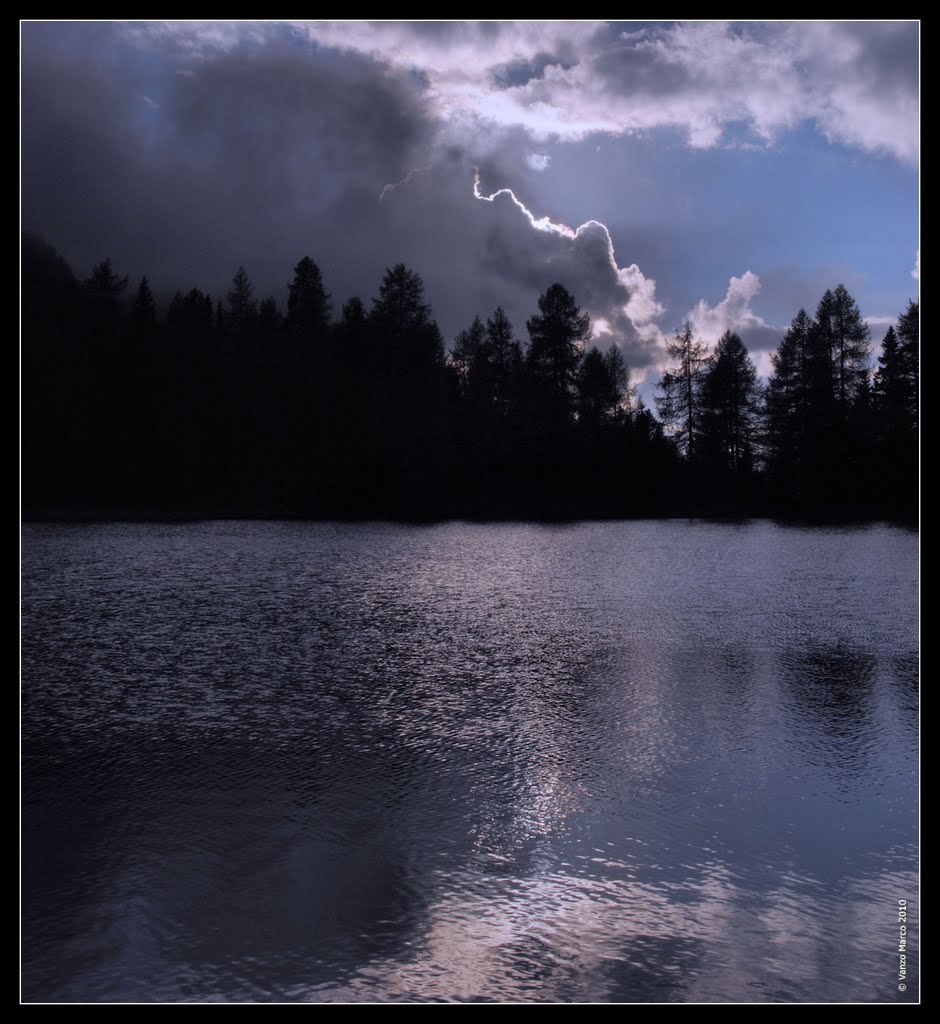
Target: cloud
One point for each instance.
(539, 251)
(182, 150)
(267, 151)
(856, 82)
(733, 313)
(880, 323)
(915, 273)
(522, 71)
(255, 156)
(538, 161)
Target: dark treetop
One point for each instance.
(213, 406)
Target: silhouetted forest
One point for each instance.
(231, 406)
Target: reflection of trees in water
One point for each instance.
(724, 674)
(831, 704)
(832, 687)
(906, 670)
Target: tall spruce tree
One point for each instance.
(505, 355)
(844, 334)
(471, 357)
(788, 396)
(595, 390)
(242, 309)
(729, 407)
(401, 320)
(143, 312)
(308, 302)
(556, 338)
(909, 353)
(680, 401)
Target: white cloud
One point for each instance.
(915, 273)
(733, 313)
(857, 82)
(764, 363)
(878, 325)
(538, 161)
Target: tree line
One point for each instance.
(232, 406)
(825, 437)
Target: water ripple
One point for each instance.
(617, 762)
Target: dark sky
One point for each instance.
(723, 172)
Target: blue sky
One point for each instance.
(724, 172)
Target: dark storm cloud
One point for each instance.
(344, 116)
(183, 168)
(183, 151)
(254, 156)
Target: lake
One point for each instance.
(652, 761)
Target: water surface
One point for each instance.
(614, 762)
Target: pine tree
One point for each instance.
(400, 306)
(595, 390)
(104, 283)
(505, 359)
(409, 339)
(909, 353)
(680, 404)
(308, 302)
(143, 312)
(788, 394)
(102, 293)
(844, 333)
(354, 314)
(890, 383)
(470, 356)
(242, 309)
(269, 316)
(557, 335)
(896, 401)
(623, 394)
(504, 350)
(729, 407)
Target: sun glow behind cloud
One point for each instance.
(232, 109)
(630, 298)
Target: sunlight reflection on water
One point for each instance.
(650, 761)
